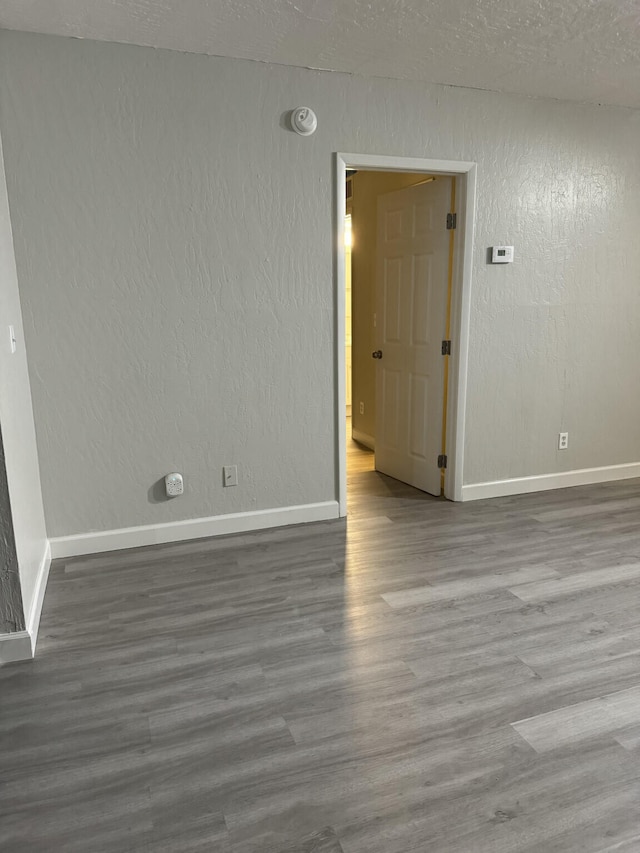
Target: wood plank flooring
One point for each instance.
(433, 677)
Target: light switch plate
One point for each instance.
(230, 475)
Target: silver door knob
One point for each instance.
(377, 354)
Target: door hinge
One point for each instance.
(442, 461)
(446, 347)
(452, 221)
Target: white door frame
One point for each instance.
(460, 304)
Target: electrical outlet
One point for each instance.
(563, 440)
(230, 475)
(361, 408)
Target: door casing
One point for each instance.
(466, 173)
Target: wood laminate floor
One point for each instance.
(429, 676)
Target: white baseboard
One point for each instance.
(33, 619)
(15, 647)
(21, 645)
(362, 438)
(193, 528)
(543, 482)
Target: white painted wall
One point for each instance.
(16, 417)
(174, 247)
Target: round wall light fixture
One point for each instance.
(304, 121)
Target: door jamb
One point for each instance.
(466, 172)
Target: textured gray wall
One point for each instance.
(11, 612)
(174, 247)
(16, 417)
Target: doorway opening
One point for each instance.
(403, 260)
(360, 446)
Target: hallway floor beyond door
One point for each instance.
(428, 677)
(366, 487)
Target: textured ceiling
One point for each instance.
(584, 50)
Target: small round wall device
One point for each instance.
(304, 121)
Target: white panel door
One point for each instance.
(411, 304)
